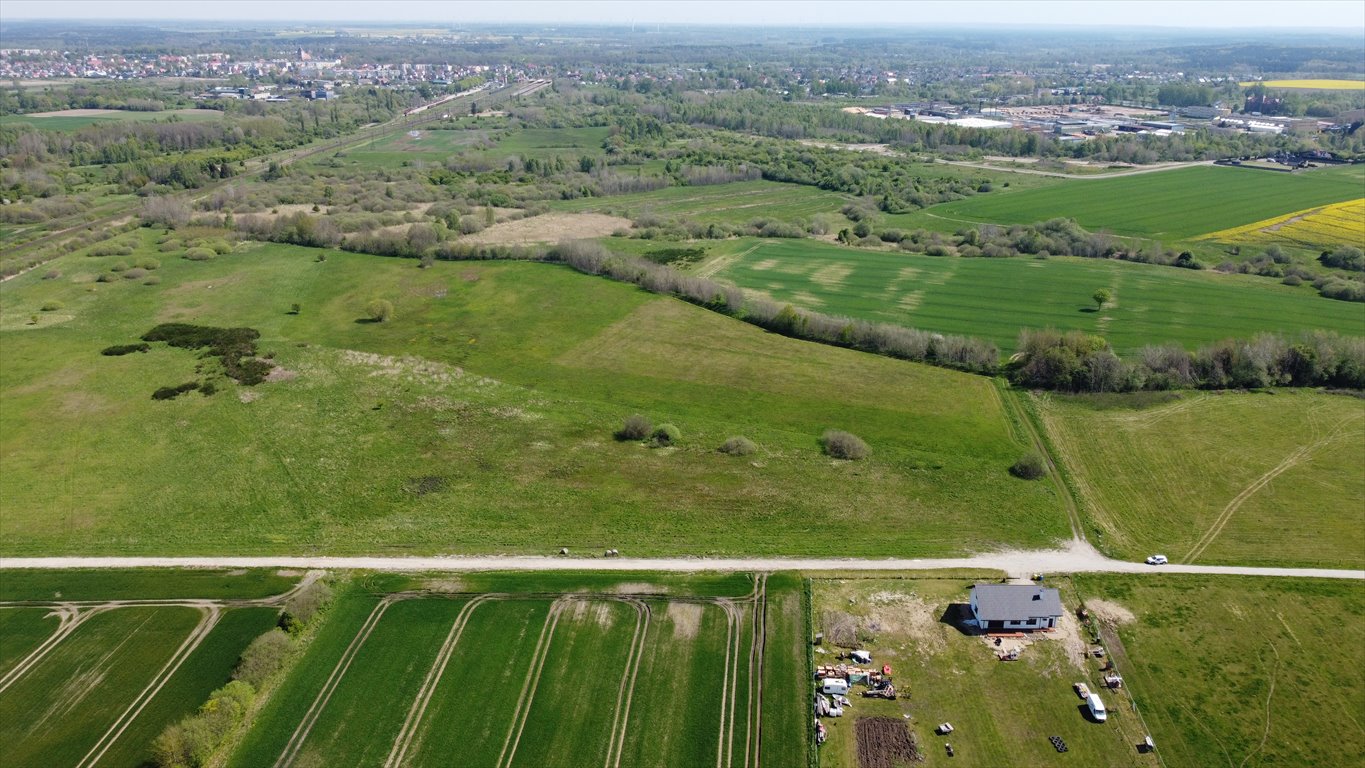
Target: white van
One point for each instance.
(835, 685)
(1097, 709)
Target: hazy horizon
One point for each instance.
(1344, 16)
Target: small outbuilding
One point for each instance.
(1017, 607)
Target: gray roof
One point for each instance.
(1015, 602)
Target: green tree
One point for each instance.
(1101, 297)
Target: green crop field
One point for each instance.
(1169, 205)
(208, 668)
(23, 630)
(503, 383)
(435, 145)
(1239, 671)
(995, 298)
(56, 712)
(736, 203)
(654, 679)
(142, 584)
(1002, 713)
(1263, 479)
(549, 142)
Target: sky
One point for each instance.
(1343, 15)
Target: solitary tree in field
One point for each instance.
(1102, 297)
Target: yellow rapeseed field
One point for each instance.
(1317, 85)
(1340, 223)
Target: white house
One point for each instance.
(1015, 606)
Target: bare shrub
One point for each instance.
(635, 427)
(164, 212)
(304, 605)
(843, 445)
(738, 446)
(1029, 467)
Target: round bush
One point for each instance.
(1293, 280)
(153, 280)
(379, 310)
(106, 277)
(738, 446)
(666, 434)
(148, 263)
(119, 267)
(1029, 467)
(200, 254)
(51, 274)
(635, 427)
(51, 306)
(843, 445)
(134, 273)
(219, 246)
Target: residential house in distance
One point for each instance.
(1018, 607)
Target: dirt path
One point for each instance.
(756, 649)
(211, 614)
(408, 732)
(1009, 401)
(1077, 177)
(1071, 557)
(720, 263)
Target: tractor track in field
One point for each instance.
(528, 689)
(69, 618)
(310, 718)
(209, 620)
(757, 650)
(407, 734)
(1292, 460)
(621, 717)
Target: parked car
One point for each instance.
(1096, 708)
(1157, 560)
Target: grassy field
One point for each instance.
(1231, 671)
(142, 584)
(1253, 479)
(995, 298)
(504, 383)
(1322, 227)
(1002, 713)
(435, 145)
(57, 711)
(641, 678)
(1170, 205)
(81, 118)
(736, 203)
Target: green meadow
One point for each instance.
(479, 419)
(735, 203)
(76, 121)
(1232, 671)
(1223, 478)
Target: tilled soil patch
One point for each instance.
(885, 742)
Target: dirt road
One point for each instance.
(1079, 177)
(1076, 557)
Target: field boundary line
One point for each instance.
(621, 717)
(291, 749)
(1035, 427)
(408, 732)
(211, 615)
(528, 688)
(69, 619)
